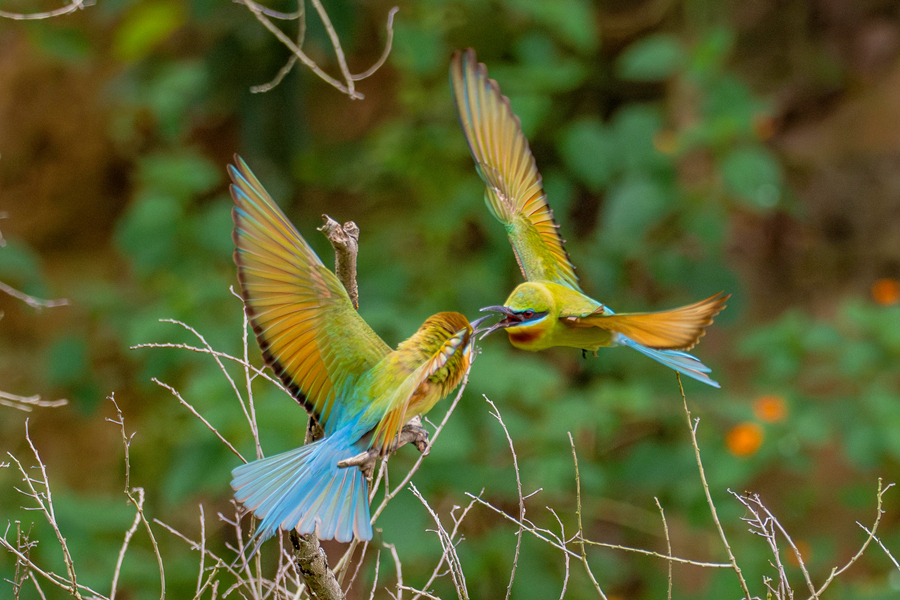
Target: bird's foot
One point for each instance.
(584, 354)
(364, 460)
(414, 433)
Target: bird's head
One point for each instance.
(448, 332)
(527, 313)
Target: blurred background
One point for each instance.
(687, 147)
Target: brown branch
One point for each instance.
(313, 565)
(345, 240)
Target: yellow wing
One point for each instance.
(307, 328)
(677, 329)
(514, 194)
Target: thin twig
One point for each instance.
(512, 575)
(881, 545)
(662, 515)
(27, 403)
(257, 11)
(136, 496)
(456, 570)
(387, 48)
(193, 410)
(879, 512)
(26, 298)
(398, 566)
(709, 500)
(580, 535)
(64, 10)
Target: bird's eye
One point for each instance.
(528, 313)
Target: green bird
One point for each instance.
(550, 309)
(360, 390)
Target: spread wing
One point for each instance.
(307, 328)
(677, 329)
(514, 194)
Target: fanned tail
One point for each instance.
(304, 489)
(682, 362)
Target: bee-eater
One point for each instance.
(331, 361)
(551, 309)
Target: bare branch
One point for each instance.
(193, 410)
(26, 403)
(69, 8)
(512, 575)
(387, 48)
(348, 85)
(879, 512)
(456, 571)
(27, 299)
(709, 500)
(662, 514)
(580, 535)
(345, 240)
(136, 496)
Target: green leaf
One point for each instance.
(754, 176)
(635, 126)
(182, 174)
(652, 58)
(573, 21)
(632, 207)
(147, 25)
(588, 148)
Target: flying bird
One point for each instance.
(360, 390)
(550, 309)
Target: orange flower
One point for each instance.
(744, 438)
(771, 409)
(886, 291)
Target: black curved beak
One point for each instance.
(474, 324)
(510, 319)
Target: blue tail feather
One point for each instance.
(682, 362)
(304, 489)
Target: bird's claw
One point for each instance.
(414, 433)
(364, 460)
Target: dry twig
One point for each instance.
(692, 427)
(347, 83)
(64, 10)
(27, 403)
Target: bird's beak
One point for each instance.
(510, 319)
(474, 324)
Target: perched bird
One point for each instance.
(331, 361)
(551, 309)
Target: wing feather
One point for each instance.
(504, 161)
(307, 328)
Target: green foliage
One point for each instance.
(647, 228)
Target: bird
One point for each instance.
(328, 358)
(550, 309)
